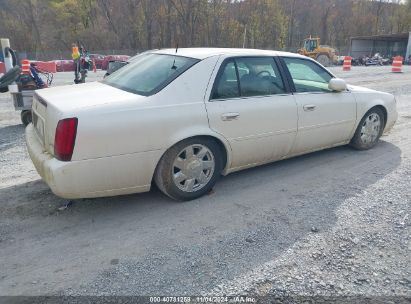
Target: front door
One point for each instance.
(325, 118)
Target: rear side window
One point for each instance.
(307, 75)
(149, 73)
(247, 77)
(227, 83)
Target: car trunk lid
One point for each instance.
(80, 96)
(53, 104)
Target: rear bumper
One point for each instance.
(108, 176)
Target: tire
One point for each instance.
(324, 60)
(369, 130)
(26, 117)
(183, 177)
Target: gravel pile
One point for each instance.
(366, 253)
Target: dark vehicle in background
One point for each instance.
(114, 65)
(108, 58)
(98, 59)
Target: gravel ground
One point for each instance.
(331, 223)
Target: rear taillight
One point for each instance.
(65, 138)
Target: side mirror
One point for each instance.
(337, 84)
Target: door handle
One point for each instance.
(230, 116)
(309, 107)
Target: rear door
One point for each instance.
(252, 107)
(325, 118)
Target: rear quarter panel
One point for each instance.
(156, 123)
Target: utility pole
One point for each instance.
(245, 34)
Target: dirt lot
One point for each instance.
(336, 222)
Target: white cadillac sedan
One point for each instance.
(183, 118)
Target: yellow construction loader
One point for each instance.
(322, 53)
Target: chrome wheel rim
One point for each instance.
(193, 168)
(370, 128)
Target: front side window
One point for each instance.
(149, 73)
(247, 77)
(307, 75)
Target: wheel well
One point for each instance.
(384, 111)
(216, 140)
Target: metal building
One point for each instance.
(387, 45)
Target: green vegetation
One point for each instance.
(43, 25)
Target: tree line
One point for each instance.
(39, 26)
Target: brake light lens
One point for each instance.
(65, 138)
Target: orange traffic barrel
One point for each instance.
(397, 64)
(347, 63)
(25, 66)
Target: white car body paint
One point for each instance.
(121, 136)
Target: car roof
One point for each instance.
(202, 53)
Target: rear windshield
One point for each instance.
(149, 73)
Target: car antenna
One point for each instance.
(174, 62)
